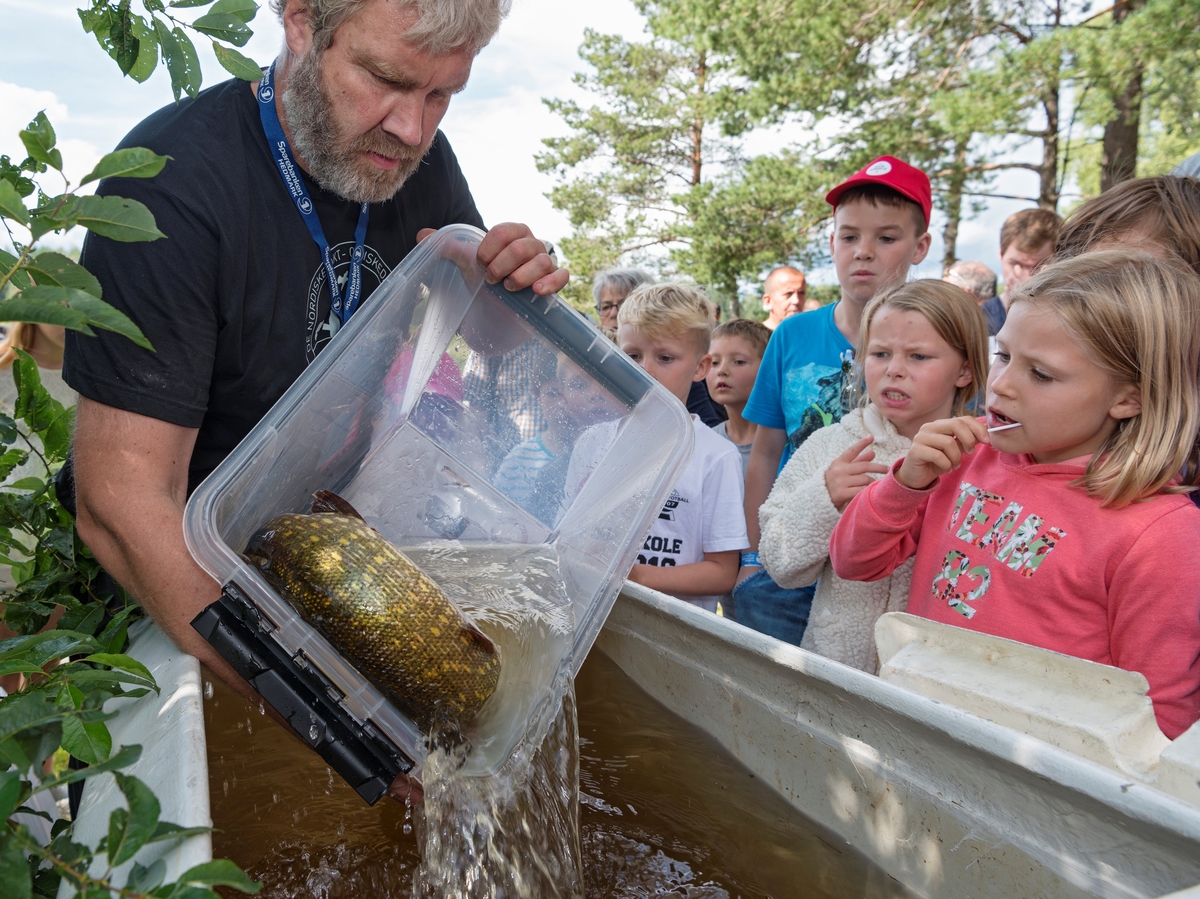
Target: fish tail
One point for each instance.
(328, 501)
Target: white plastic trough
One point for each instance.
(946, 802)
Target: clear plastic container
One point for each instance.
(420, 413)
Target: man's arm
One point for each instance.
(765, 454)
(131, 476)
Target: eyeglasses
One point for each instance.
(609, 307)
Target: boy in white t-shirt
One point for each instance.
(693, 548)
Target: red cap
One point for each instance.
(898, 175)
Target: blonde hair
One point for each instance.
(954, 315)
(754, 333)
(669, 310)
(1138, 318)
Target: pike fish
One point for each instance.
(379, 610)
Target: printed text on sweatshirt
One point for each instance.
(1005, 547)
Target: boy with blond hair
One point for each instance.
(880, 230)
(693, 548)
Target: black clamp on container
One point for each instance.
(304, 697)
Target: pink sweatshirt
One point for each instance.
(1011, 550)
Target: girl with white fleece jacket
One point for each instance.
(923, 349)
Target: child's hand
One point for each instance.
(939, 448)
(851, 472)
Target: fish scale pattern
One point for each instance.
(391, 621)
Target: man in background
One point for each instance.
(975, 278)
(1026, 241)
(784, 293)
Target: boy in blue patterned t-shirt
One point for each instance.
(880, 230)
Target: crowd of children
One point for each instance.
(872, 460)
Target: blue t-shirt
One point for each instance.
(799, 388)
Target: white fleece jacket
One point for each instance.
(797, 521)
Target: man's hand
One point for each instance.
(510, 253)
(851, 472)
(939, 448)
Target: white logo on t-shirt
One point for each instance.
(879, 168)
(319, 332)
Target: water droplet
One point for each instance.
(225, 787)
(407, 828)
(208, 690)
(313, 733)
(275, 798)
(262, 709)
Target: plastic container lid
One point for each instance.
(499, 440)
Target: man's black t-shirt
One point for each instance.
(235, 299)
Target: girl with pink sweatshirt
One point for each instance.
(1060, 520)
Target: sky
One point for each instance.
(496, 126)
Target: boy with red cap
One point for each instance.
(880, 230)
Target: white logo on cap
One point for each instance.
(879, 168)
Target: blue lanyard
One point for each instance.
(281, 152)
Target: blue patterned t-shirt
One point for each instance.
(801, 380)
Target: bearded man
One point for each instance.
(342, 132)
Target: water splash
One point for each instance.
(511, 835)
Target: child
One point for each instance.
(737, 350)
(693, 548)
(1058, 522)
(924, 352)
(571, 401)
(1149, 214)
(880, 230)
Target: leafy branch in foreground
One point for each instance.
(50, 288)
(68, 673)
(137, 42)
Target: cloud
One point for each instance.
(18, 106)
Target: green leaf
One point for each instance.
(147, 57)
(121, 662)
(132, 162)
(122, 758)
(96, 21)
(20, 278)
(12, 460)
(27, 484)
(236, 64)
(87, 742)
(37, 304)
(220, 872)
(143, 880)
(191, 62)
(116, 218)
(26, 712)
(124, 43)
(14, 872)
(140, 822)
(187, 4)
(242, 9)
(168, 831)
(224, 27)
(39, 139)
(101, 315)
(11, 204)
(172, 56)
(10, 793)
(8, 429)
(57, 270)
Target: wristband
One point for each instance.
(750, 559)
